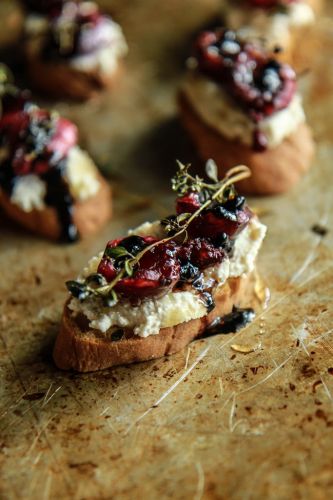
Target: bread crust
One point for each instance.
(82, 349)
(61, 80)
(88, 216)
(273, 171)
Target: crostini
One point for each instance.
(72, 49)
(168, 282)
(48, 184)
(240, 105)
(286, 25)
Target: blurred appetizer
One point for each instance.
(283, 24)
(240, 105)
(168, 282)
(39, 14)
(47, 183)
(12, 22)
(73, 50)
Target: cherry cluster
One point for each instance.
(259, 84)
(172, 263)
(33, 138)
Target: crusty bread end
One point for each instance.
(88, 216)
(273, 171)
(61, 80)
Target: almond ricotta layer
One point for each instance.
(29, 190)
(105, 60)
(221, 113)
(150, 316)
(275, 27)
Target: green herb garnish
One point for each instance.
(175, 227)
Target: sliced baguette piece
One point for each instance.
(61, 80)
(274, 171)
(80, 348)
(88, 216)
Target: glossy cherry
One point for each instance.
(201, 253)
(189, 203)
(259, 84)
(158, 270)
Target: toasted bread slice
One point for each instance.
(61, 80)
(82, 349)
(273, 171)
(88, 216)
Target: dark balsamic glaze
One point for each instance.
(59, 197)
(117, 335)
(35, 138)
(231, 323)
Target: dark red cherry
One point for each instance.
(258, 84)
(65, 136)
(157, 271)
(201, 253)
(189, 203)
(220, 220)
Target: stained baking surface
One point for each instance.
(248, 415)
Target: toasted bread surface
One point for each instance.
(88, 216)
(61, 80)
(82, 349)
(274, 171)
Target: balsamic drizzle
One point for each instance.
(230, 323)
(59, 197)
(35, 138)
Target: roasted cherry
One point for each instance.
(157, 271)
(201, 253)
(259, 84)
(36, 139)
(220, 220)
(189, 203)
(65, 136)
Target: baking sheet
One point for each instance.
(207, 422)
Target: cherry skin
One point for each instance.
(157, 272)
(258, 83)
(189, 203)
(201, 253)
(64, 138)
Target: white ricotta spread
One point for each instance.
(150, 316)
(275, 27)
(220, 112)
(104, 60)
(81, 173)
(29, 192)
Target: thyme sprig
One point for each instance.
(175, 228)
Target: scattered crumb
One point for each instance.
(319, 230)
(244, 349)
